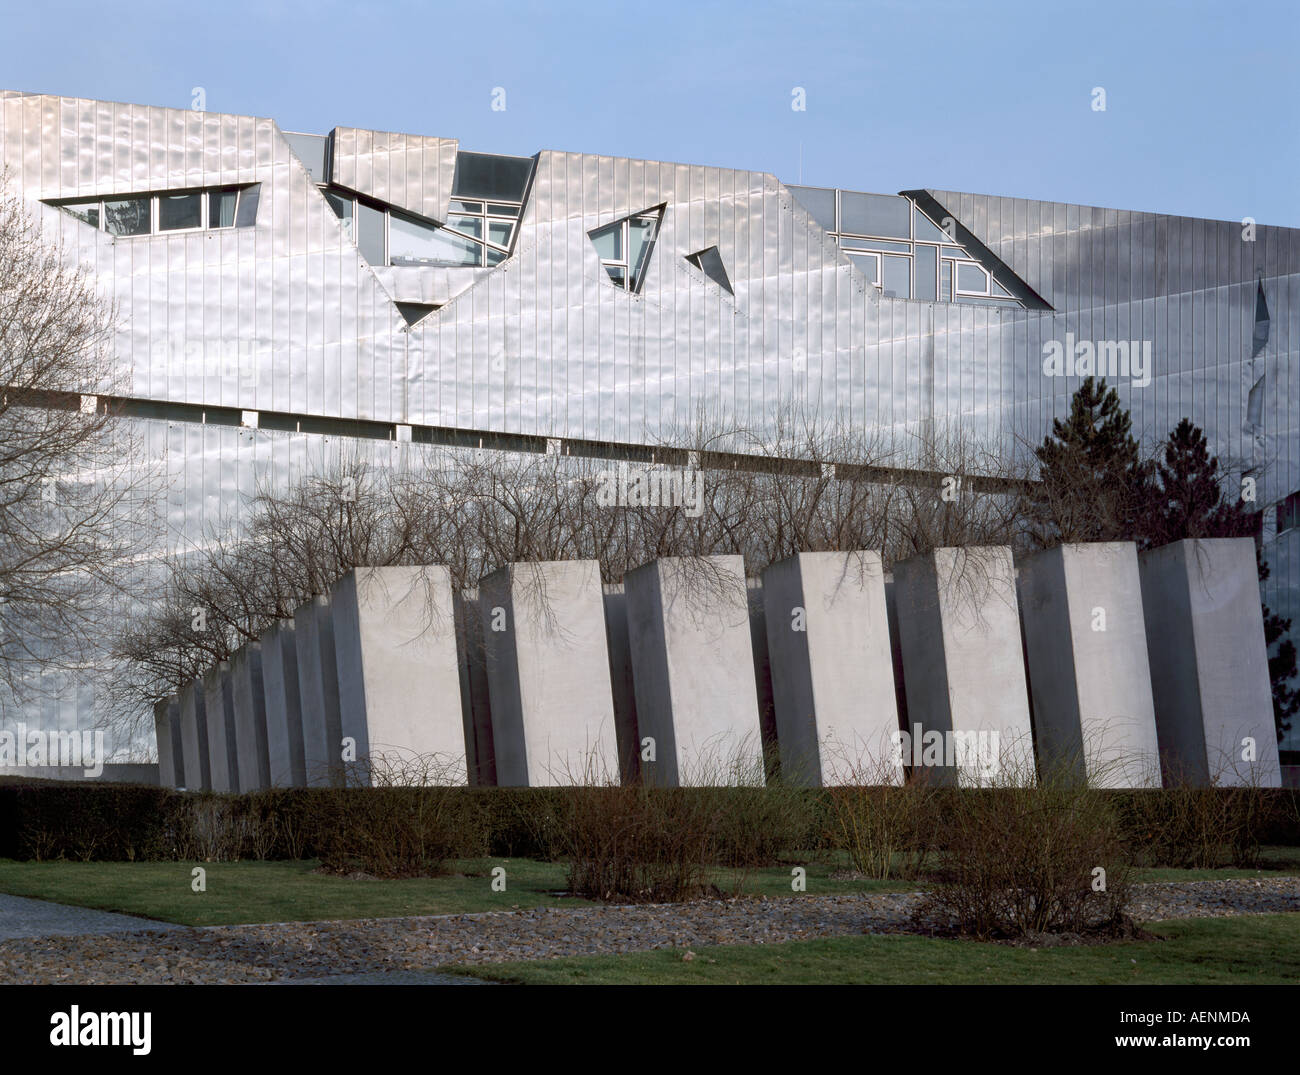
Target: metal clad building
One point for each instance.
(284, 297)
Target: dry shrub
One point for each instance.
(406, 819)
(884, 828)
(1019, 858)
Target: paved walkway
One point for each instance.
(21, 917)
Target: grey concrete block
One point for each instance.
(399, 684)
(1089, 680)
(1209, 663)
(763, 679)
(476, 711)
(959, 634)
(832, 669)
(620, 677)
(171, 752)
(318, 684)
(548, 675)
(693, 671)
(284, 742)
(249, 694)
(223, 750)
(194, 738)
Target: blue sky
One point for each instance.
(1201, 111)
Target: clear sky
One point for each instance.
(996, 97)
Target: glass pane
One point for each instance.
(820, 203)
(609, 242)
(414, 311)
(927, 229)
(496, 257)
(466, 225)
(954, 252)
(458, 206)
(875, 214)
(87, 212)
(640, 237)
(499, 232)
(971, 277)
(488, 176)
(246, 214)
(176, 211)
(500, 209)
(127, 216)
(877, 244)
(998, 289)
(412, 242)
(343, 209)
(370, 234)
(927, 259)
(945, 280)
(898, 276)
(310, 149)
(867, 263)
(221, 208)
(618, 274)
(710, 263)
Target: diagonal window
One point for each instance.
(624, 247)
(710, 263)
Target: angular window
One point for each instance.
(971, 279)
(86, 212)
(180, 212)
(416, 242)
(625, 246)
(820, 203)
(415, 312)
(491, 177)
(897, 276)
(246, 214)
(869, 264)
(345, 209)
(371, 226)
(221, 208)
(128, 216)
(710, 263)
(889, 216)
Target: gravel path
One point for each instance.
(312, 950)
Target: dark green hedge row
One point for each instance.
(123, 822)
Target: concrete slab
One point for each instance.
(959, 634)
(194, 738)
(476, 710)
(318, 684)
(620, 676)
(284, 742)
(21, 917)
(832, 669)
(1089, 680)
(1209, 663)
(399, 684)
(548, 675)
(693, 671)
(249, 695)
(171, 753)
(223, 749)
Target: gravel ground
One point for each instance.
(21, 917)
(374, 947)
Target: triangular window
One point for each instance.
(624, 247)
(710, 263)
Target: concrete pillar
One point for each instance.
(548, 675)
(249, 695)
(1209, 663)
(693, 670)
(223, 751)
(171, 752)
(1089, 680)
(959, 633)
(194, 738)
(620, 677)
(318, 683)
(832, 670)
(476, 711)
(399, 685)
(763, 679)
(284, 742)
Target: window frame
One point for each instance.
(155, 197)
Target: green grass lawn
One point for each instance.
(246, 892)
(1253, 949)
(250, 891)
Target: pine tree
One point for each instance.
(1093, 481)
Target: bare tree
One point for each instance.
(67, 482)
